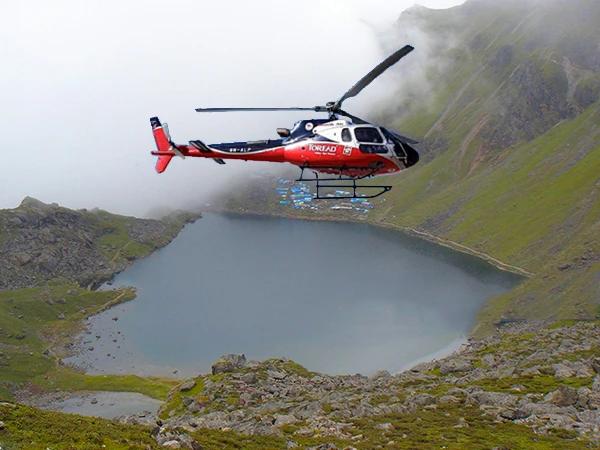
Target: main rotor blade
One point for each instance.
(314, 108)
(378, 70)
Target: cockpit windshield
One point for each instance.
(368, 135)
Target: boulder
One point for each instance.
(563, 396)
(590, 417)
(586, 399)
(228, 363)
(386, 426)
(559, 421)
(446, 399)
(531, 371)
(249, 378)
(380, 374)
(455, 365)
(489, 360)
(456, 392)
(188, 385)
(492, 399)
(307, 410)
(424, 367)
(562, 371)
(420, 400)
(22, 258)
(276, 374)
(595, 363)
(538, 409)
(582, 369)
(596, 384)
(284, 419)
(514, 414)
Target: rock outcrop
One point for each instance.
(41, 242)
(544, 378)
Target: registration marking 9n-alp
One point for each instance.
(240, 150)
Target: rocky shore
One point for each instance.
(544, 378)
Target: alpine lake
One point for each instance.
(334, 297)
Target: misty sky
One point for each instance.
(81, 78)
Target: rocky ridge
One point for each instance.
(40, 242)
(546, 379)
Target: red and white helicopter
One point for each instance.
(345, 147)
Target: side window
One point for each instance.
(346, 136)
(368, 134)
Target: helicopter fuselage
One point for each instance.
(323, 145)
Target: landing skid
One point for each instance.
(324, 183)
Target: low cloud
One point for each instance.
(84, 77)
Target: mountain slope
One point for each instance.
(513, 142)
(505, 97)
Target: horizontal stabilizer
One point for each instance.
(201, 146)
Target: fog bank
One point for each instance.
(84, 77)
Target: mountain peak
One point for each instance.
(34, 203)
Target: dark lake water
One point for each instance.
(336, 297)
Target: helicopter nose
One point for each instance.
(412, 156)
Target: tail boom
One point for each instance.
(166, 149)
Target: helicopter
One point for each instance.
(340, 149)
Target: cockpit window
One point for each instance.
(346, 136)
(368, 134)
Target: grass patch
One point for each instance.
(436, 372)
(541, 384)
(379, 399)
(174, 403)
(34, 320)
(562, 323)
(290, 367)
(67, 379)
(454, 427)
(33, 429)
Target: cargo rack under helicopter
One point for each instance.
(341, 178)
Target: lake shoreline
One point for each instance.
(505, 267)
(62, 352)
(144, 367)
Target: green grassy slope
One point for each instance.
(32, 429)
(512, 150)
(538, 208)
(36, 325)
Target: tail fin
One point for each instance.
(163, 145)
